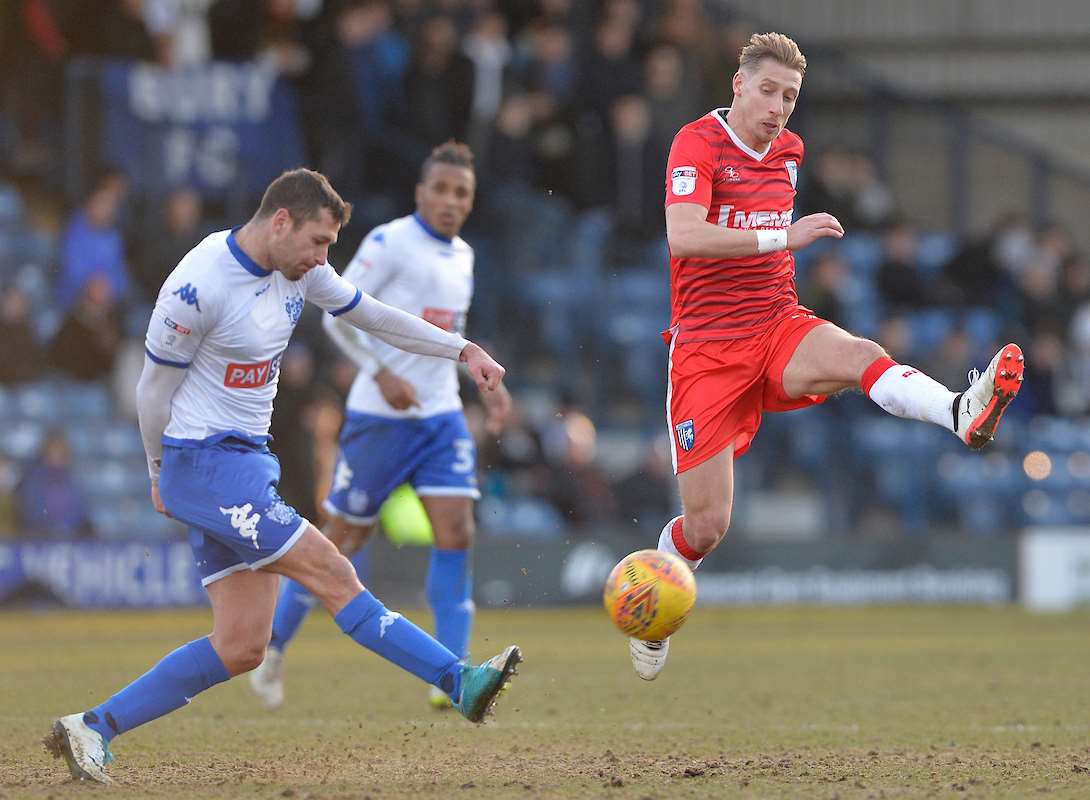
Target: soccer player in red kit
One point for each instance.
(740, 343)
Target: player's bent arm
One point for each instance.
(353, 343)
(403, 330)
(691, 235)
(154, 391)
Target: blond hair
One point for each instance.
(776, 46)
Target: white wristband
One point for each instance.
(771, 241)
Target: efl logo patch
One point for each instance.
(686, 434)
(182, 329)
(247, 376)
(683, 180)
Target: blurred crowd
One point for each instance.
(570, 108)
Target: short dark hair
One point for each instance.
(452, 152)
(304, 193)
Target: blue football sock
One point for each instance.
(170, 684)
(361, 560)
(393, 637)
(292, 607)
(450, 594)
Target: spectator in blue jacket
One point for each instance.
(93, 244)
(49, 502)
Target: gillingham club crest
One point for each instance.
(686, 434)
(792, 168)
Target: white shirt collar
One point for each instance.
(720, 115)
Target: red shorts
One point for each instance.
(719, 388)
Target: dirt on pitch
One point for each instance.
(786, 703)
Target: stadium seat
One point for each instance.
(39, 401)
(86, 400)
(105, 480)
(928, 329)
(982, 326)
(863, 252)
(22, 440)
(121, 440)
(934, 250)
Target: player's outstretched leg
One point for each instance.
(649, 657)
(83, 739)
(315, 562)
(472, 690)
(972, 416)
(292, 606)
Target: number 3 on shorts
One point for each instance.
(463, 455)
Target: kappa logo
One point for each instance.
(294, 307)
(188, 295)
(243, 521)
(342, 478)
(686, 434)
(385, 621)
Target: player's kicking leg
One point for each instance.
(707, 494)
(473, 690)
(292, 607)
(830, 359)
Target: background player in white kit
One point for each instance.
(222, 320)
(404, 420)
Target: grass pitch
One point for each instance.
(779, 703)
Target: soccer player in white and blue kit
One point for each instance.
(404, 421)
(221, 323)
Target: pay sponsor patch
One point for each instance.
(683, 180)
(445, 318)
(247, 376)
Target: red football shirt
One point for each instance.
(710, 166)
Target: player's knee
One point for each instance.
(455, 536)
(339, 582)
(342, 533)
(354, 538)
(705, 528)
(241, 654)
(865, 352)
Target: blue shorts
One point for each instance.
(226, 494)
(435, 455)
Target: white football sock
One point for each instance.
(906, 392)
(667, 545)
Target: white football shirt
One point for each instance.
(407, 264)
(227, 322)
